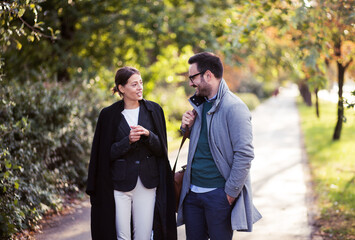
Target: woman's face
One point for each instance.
(133, 90)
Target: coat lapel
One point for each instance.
(143, 117)
(122, 129)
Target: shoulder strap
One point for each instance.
(186, 135)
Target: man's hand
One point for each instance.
(188, 119)
(230, 199)
(136, 133)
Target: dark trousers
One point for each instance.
(208, 215)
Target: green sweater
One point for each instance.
(204, 172)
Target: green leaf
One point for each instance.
(21, 12)
(8, 164)
(51, 30)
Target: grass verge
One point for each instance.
(332, 166)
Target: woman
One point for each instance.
(130, 182)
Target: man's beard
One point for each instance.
(203, 89)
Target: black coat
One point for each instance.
(100, 184)
(137, 159)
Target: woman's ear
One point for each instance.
(121, 88)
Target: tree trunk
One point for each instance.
(63, 75)
(305, 93)
(341, 74)
(317, 102)
(339, 125)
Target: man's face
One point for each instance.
(198, 82)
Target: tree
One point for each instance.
(21, 20)
(328, 35)
(256, 34)
(99, 35)
(338, 26)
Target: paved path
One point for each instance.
(72, 226)
(278, 179)
(278, 172)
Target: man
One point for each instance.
(216, 193)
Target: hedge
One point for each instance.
(45, 141)
(250, 99)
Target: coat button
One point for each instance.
(236, 188)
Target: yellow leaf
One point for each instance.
(18, 45)
(21, 12)
(30, 38)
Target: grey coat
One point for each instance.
(230, 140)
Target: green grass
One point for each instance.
(332, 166)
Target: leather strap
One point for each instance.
(186, 135)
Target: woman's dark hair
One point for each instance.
(122, 76)
(208, 61)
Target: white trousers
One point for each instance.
(140, 204)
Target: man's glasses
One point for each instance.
(193, 76)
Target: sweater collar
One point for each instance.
(120, 105)
(222, 90)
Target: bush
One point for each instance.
(45, 143)
(173, 100)
(250, 99)
(262, 90)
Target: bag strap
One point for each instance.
(186, 135)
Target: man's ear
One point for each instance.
(210, 75)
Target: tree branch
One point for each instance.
(36, 30)
(347, 65)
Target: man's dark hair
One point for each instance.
(208, 61)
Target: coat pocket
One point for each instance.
(118, 169)
(152, 166)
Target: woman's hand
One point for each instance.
(136, 133)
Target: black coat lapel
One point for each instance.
(144, 117)
(120, 122)
(123, 128)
